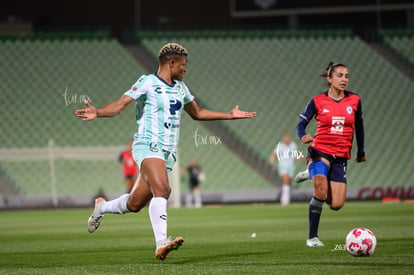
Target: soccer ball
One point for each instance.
(361, 242)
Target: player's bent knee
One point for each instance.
(319, 179)
(320, 184)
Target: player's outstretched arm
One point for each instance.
(198, 113)
(110, 109)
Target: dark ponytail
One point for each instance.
(329, 69)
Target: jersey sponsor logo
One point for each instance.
(169, 125)
(180, 90)
(175, 105)
(349, 109)
(153, 147)
(158, 90)
(338, 123)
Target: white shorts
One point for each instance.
(286, 169)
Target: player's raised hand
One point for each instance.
(237, 113)
(88, 113)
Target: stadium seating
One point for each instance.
(401, 41)
(48, 79)
(45, 81)
(273, 73)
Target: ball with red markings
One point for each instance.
(361, 242)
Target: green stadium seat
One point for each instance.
(401, 41)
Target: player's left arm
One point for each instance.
(198, 113)
(359, 133)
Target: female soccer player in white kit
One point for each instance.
(286, 153)
(160, 98)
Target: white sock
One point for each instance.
(197, 198)
(285, 198)
(158, 215)
(188, 199)
(116, 206)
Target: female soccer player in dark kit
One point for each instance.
(338, 113)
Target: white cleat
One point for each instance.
(166, 246)
(97, 216)
(302, 176)
(314, 242)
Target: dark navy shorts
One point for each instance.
(337, 169)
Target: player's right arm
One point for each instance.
(304, 119)
(272, 159)
(110, 109)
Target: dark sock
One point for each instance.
(315, 210)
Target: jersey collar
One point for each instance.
(346, 93)
(165, 82)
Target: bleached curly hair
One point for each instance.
(171, 50)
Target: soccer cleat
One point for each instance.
(97, 216)
(314, 242)
(166, 246)
(302, 176)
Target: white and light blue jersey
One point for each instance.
(158, 110)
(286, 153)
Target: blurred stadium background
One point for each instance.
(264, 55)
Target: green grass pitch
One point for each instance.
(217, 241)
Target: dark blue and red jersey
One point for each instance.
(336, 123)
